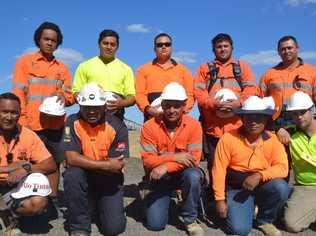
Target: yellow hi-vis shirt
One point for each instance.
(303, 153)
(115, 76)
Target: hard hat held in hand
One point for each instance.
(36, 184)
(110, 96)
(157, 104)
(224, 95)
(174, 91)
(52, 106)
(91, 95)
(299, 101)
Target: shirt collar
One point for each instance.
(301, 62)
(230, 61)
(174, 63)
(38, 57)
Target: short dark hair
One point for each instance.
(109, 33)
(162, 35)
(10, 96)
(221, 37)
(51, 26)
(286, 38)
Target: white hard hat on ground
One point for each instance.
(299, 101)
(224, 95)
(174, 91)
(51, 106)
(256, 105)
(36, 184)
(91, 95)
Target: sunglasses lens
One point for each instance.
(160, 45)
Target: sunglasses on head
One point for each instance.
(160, 45)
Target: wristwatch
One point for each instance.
(27, 167)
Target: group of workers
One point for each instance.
(249, 133)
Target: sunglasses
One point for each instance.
(160, 45)
(299, 112)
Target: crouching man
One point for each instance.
(171, 155)
(249, 165)
(24, 157)
(300, 210)
(95, 145)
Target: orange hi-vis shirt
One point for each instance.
(281, 83)
(34, 79)
(107, 139)
(159, 147)
(25, 145)
(151, 79)
(212, 124)
(234, 151)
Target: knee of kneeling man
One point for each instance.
(113, 229)
(194, 176)
(240, 230)
(282, 188)
(292, 228)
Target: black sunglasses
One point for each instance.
(160, 45)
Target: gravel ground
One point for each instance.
(45, 226)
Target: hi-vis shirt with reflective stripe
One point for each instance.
(159, 148)
(281, 83)
(212, 124)
(34, 79)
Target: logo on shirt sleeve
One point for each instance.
(121, 146)
(67, 136)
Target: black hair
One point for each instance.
(221, 37)
(286, 38)
(162, 35)
(51, 26)
(10, 96)
(109, 33)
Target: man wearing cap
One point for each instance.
(22, 153)
(224, 72)
(38, 76)
(290, 75)
(300, 210)
(95, 145)
(249, 165)
(112, 74)
(172, 146)
(152, 77)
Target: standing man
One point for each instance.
(172, 148)
(151, 78)
(300, 210)
(223, 72)
(37, 76)
(22, 153)
(290, 75)
(249, 165)
(109, 72)
(95, 144)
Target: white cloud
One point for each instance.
(268, 57)
(185, 57)
(67, 55)
(271, 57)
(295, 3)
(4, 80)
(138, 28)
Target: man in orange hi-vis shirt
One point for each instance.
(152, 77)
(37, 76)
(223, 72)
(172, 147)
(249, 166)
(290, 75)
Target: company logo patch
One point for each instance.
(121, 146)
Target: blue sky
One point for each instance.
(255, 27)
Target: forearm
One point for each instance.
(75, 159)
(45, 167)
(128, 101)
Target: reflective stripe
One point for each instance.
(19, 86)
(194, 146)
(36, 97)
(162, 154)
(38, 80)
(149, 148)
(200, 86)
(290, 85)
(248, 83)
(263, 87)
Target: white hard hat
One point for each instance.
(51, 106)
(256, 105)
(299, 101)
(174, 91)
(110, 96)
(157, 103)
(225, 94)
(36, 184)
(91, 95)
